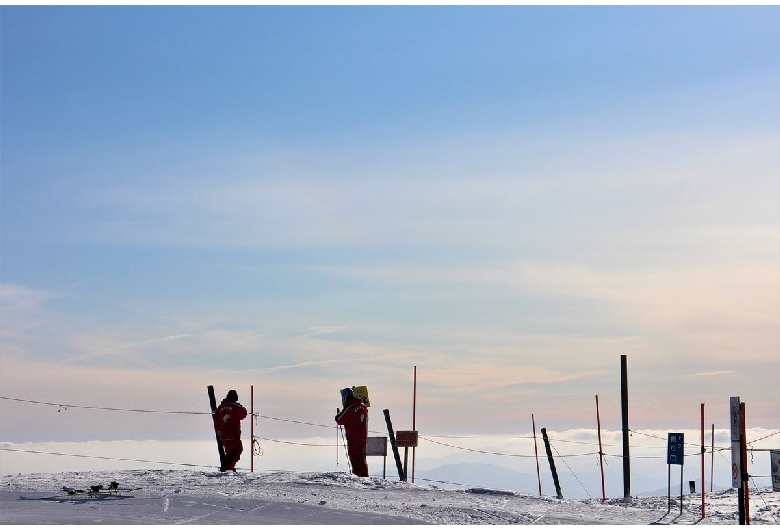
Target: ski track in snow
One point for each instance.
(242, 494)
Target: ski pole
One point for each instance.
(349, 463)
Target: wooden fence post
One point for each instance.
(552, 464)
(391, 433)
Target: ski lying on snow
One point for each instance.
(80, 496)
(112, 487)
(113, 491)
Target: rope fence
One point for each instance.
(432, 439)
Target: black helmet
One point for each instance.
(232, 396)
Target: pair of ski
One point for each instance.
(113, 491)
(220, 448)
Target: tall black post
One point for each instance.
(391, 432)
(624, 410)
(552, 463)
(743, 491)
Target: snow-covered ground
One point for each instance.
(205, 497)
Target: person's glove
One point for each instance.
(338, 412)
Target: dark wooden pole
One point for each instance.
(703, 451)
(414, 420)
(624, 411)
(391, 433)
(552, 463)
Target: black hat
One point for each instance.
(232, 396)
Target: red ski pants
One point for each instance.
(233, 450)
(357, 458)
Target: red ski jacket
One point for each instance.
(227, 420)
(354, 418)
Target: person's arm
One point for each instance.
(341, 417)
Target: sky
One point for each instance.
(306, 198)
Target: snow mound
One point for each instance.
(282, 497)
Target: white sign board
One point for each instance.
(736, 453)
(774, 458)
(376, 446)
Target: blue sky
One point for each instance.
(307, 198)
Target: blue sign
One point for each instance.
(675, 454)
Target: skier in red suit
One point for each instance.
(354, 418)
(227, 422)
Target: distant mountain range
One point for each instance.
(581, 486)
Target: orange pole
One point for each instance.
(536, 452)
(743, 451)
(601, 452)
(252, 428)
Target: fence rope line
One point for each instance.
(474, 450)
(570, 469)
(765, 437)
(756, 490)
(496, 453)
(294, 443)
(293, 421)
(32, 451)
(62, 406)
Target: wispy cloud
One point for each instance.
(22, 309)
(121, 348)
(714, 373)
(319, 330)
(16, 298)
(479, 377)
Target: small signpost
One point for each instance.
(406, 439)
(774, 459)
(736, 464)
(377, 446)
(675, 456)
(739, 456)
